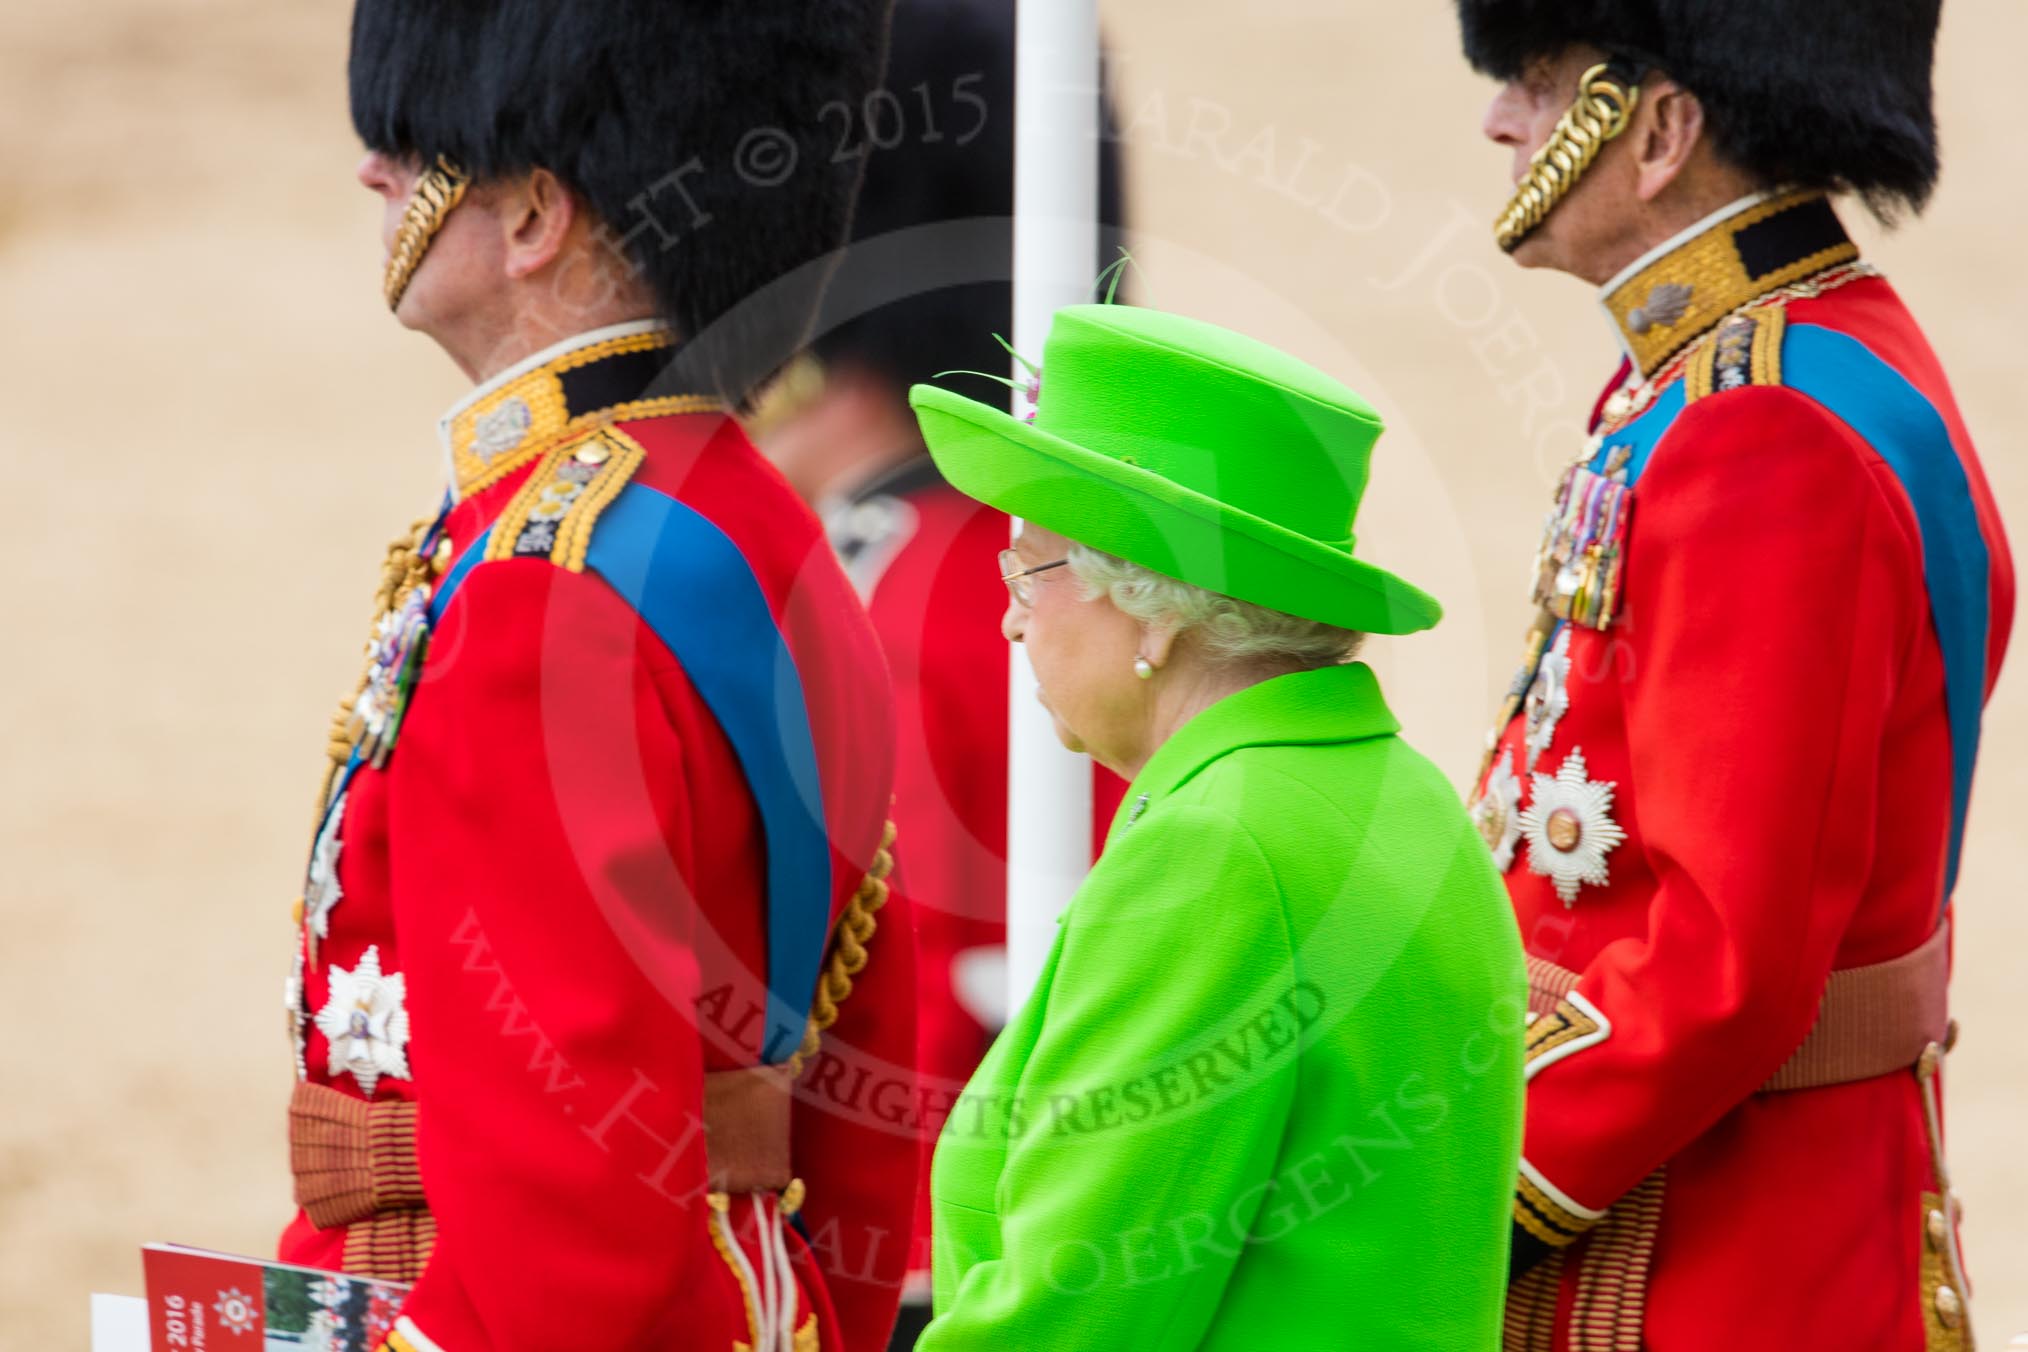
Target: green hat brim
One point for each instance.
(1148, 519)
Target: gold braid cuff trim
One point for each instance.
(1600, 114)
(437, 193)
(1611, 1276)
(1570, 1027)
(847, 957)
(1548, 1218)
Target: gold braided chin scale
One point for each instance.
(1602, 111)
(436, 194)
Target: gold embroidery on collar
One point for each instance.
(1680, 296)
(528, 415)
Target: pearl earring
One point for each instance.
(1143, 668)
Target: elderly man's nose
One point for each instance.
(1014, 621)
(1505, 122)
(379, 174)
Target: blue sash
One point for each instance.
(693, 587)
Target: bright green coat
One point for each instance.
(1267, 1092)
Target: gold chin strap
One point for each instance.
(1605, 105)
(436, 194)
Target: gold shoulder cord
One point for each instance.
(1605, 105)
(848, 954)
(436, 194)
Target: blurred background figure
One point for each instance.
(924, 289)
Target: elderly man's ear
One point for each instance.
(535, 213)
(1669, 131)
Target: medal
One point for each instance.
(1497, 815)
(1577, 568)
(394, 662)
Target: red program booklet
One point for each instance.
(199, 1301)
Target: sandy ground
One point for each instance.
(215, 428)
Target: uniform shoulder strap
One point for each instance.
(555, 511)
(1746, 350)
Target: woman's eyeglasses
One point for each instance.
(1018, 579)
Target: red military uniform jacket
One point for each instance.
(925, 558)
(637, 771)
(1736, 761)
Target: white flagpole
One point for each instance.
(1056, 130)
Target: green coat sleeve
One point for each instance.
(1149, 1115)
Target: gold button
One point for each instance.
(1936, 1229)
(1949, 1309)
(592, 455)
(1564, 830)
(440, 562)
(1932, 1058)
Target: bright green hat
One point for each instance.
(1191, 450)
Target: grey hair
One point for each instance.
(1231, 630)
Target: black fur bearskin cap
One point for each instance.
(942, 54)
(694, 129)
(1799, 93)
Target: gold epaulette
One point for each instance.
(553, 514)
(1745, 350)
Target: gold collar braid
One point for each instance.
(436, 194)
(1605, 105)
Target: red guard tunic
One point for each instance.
(925, 558)
(546, 915)
(1776, 594)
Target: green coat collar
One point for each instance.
(1330, 704)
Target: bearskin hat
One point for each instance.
(694, 129)
(932, 302)
(1797, 92)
